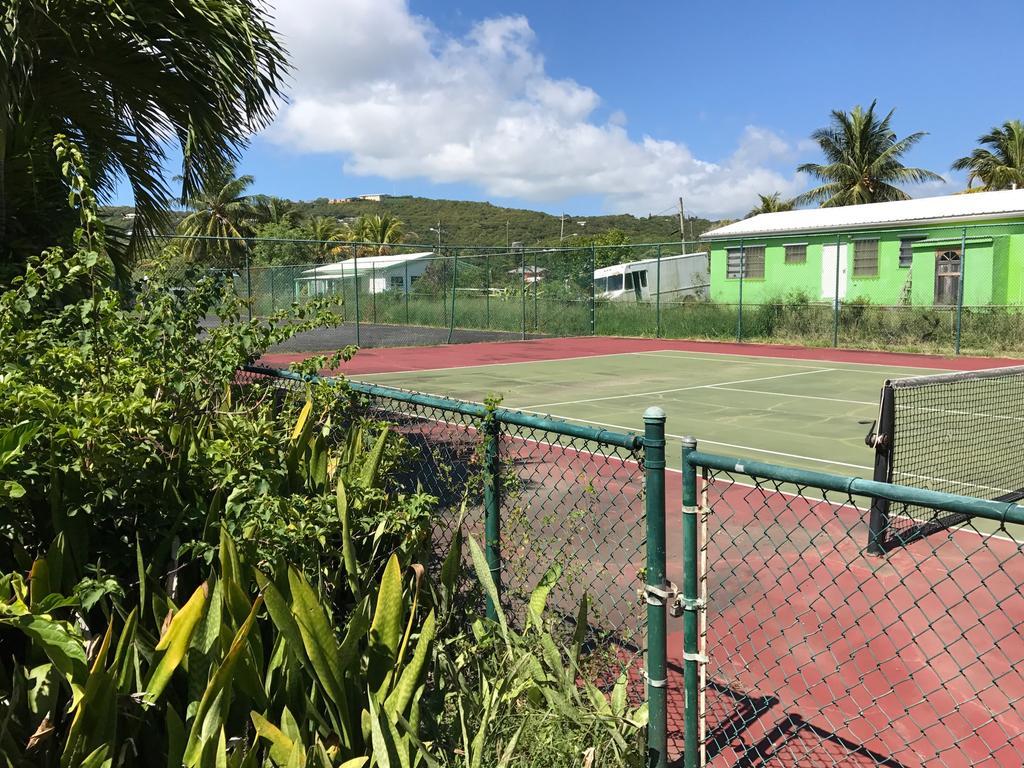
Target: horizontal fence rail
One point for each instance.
(936, 289)
(804, 649)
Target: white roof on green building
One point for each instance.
(923, 210)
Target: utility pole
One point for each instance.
(561, 234)
(682, 222)
(506, 235)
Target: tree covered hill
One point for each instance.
(466, 222)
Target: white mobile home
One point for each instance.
(390, 272)
(680, 275)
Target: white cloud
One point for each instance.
(400, 99)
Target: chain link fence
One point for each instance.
(933, 289)
(536, 492)
(801, 649)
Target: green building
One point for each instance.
(910, 252)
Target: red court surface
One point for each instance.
(394, 359)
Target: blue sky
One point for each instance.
(590, 107)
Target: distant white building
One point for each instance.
(390, 272)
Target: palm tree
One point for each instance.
(381, 230)
(863, 161)
(131, 84)
(222, 218)
(275, 210)
(772, 203)
(1001, 165)
(328, 233)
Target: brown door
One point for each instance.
(947, 276)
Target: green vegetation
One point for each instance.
(127, 81)
(772, 203)
(999, 162)
(198, 572)
(862, 157)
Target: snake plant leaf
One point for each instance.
(539, 596)
(386, 629)
(371, 467)
(280, 745)
(400, 696)
(175, 641)
(214, 703)
(483, 573)
(348, 550)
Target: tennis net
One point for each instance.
(959, 433)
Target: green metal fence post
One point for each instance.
(487, 295)
(960, 290)
(739, 313)
(535, 319)
(657, 306)
(373, 290)
(455, 278)
(248, 279)
(522, 270)
(593, 291)
(406, 287)
(691, 604)
(355, 272)
(492, 506)
(835, 301)
(656, 592)
(273, 303)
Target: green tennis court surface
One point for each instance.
(796, 412)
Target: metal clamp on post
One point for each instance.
(655, 683)
(700, 658)
(685, 604)
(659, 596)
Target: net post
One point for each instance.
(492, 506)
(657, 591)
(355, 283)
(739, 314)
(691, 605)
(455, 278)
(835, 301)
(878, 516)
(657, 298)
(960, 290)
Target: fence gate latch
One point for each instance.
(684, 604)
(664, 595)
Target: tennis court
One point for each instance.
(815, 652)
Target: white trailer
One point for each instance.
(680, 275)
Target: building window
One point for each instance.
(752, 259)
(907, 249)
(396, 281)
(865, 258)
(796, 253)
(414, 278)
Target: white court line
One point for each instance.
(787, 394)
(676, 389)
(718, 359)
(357, 376)
(879, 367)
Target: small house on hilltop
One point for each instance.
(905, 252)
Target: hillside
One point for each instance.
(474, 223)
(466, 222)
